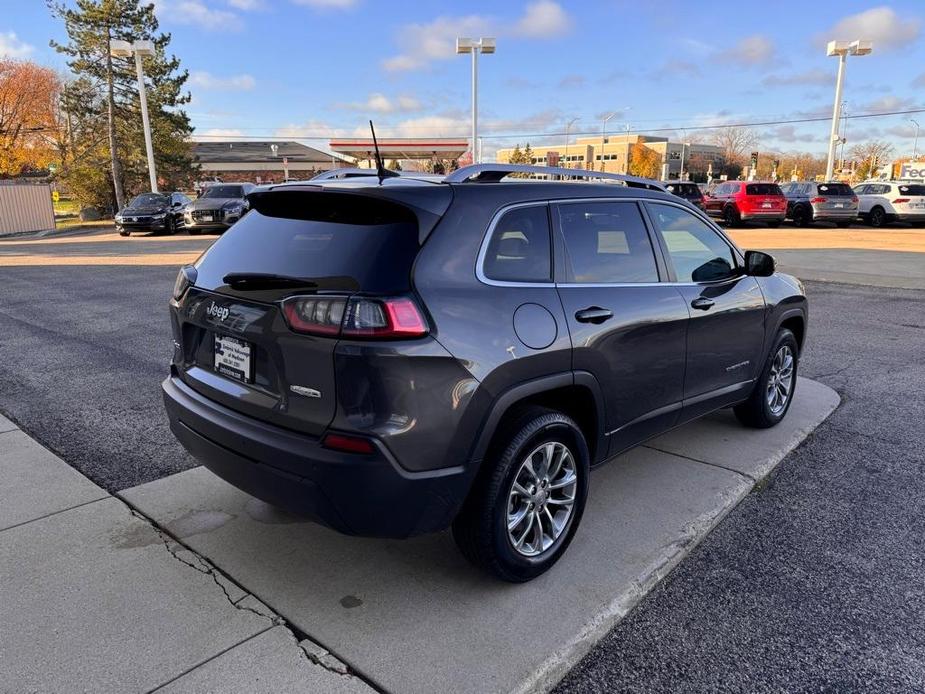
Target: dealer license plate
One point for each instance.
(206, 218)
(233, 358)
(766, 205)
(839, 205)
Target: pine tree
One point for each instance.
(90, 26)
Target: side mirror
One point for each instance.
(758, 264)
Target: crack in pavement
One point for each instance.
(308, 649)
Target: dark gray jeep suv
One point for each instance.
(395, 357)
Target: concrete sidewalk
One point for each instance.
(93, 597)
(412, 616)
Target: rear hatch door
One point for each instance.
(237, 347)
(838, 197)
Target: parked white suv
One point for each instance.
(881, 202)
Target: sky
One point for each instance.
(316, 69)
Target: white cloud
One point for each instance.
(327, 4)
(823, 77)
(206, 80)
(889, 103)
(223, 132)
(544, 19)
(919, 81)
(881, 25)
(380, 103)
(436, 40)
(12, 47)
(789, 134)
(753, 50)
(246, 4)
(198, 13)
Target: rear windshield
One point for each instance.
(375, 255)
(684, 190)
(914, 189)
(836, 189)
(763, 189)
(224, 192)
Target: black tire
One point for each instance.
(877, 217)
(756, 412)
(193, 232)
(481, 529)
(124, 232)
(731, 216)
(171, 225)
(800, 217)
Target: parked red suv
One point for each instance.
(740, 201)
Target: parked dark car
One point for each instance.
(219, 206)
(394, 358)
(745, 201)
(686, 190)
(159, 213)
(809, 202)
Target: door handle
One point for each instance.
(593, 314)
(703, 303)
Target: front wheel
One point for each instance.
(526, 506)
(771, 397)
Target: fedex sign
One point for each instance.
(912, 169)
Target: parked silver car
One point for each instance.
(809, 202)
(220, 206)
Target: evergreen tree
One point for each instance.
(90, 26)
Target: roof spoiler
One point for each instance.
(492, 173)
(331, 174)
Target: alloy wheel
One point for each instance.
(541, 498)
(780, 380)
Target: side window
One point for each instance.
(697, 252)
(518, 250)
(861, 190)
(606, 242)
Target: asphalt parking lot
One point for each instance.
(815, 582)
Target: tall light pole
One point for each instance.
(604, 134)
(124, 49)
(568, 127)
(915, 139)
(842, 49)
(475, 46)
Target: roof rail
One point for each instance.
(492, 173)
(347, 173)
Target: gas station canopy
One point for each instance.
(402, 148)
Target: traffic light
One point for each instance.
(754, 160)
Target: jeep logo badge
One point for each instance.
(216, 311)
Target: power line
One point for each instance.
(295, 135)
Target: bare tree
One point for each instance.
(870, 155)
(737, 142)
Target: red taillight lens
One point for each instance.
(818, 200)
(354, 317)
(854, 199)
(315, 315)
(383, 318)
(901, 200)
(348, 444)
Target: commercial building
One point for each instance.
(262, 162)
(613, 153)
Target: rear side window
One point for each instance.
(697, 252)
(607, 243)
(347, 243)
(519, 248)
(914, 189)
(763, 189)
(836, 189)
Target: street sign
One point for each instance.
(55, 196)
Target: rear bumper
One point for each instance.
(835, 215)
(764, 215)
(368, 495)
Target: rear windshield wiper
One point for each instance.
(266, 280)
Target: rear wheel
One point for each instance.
(731, 216)
(877, 217)
(526, 505)
(800, 217)
(769, 401)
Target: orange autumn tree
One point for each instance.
(29, 97)
(644, 161)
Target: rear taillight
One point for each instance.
(315, 315)
(186, 278)
(854, 199)
(394, 317)
(818, 200)
(901, 200)
(347, 444)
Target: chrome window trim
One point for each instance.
(483, 248)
